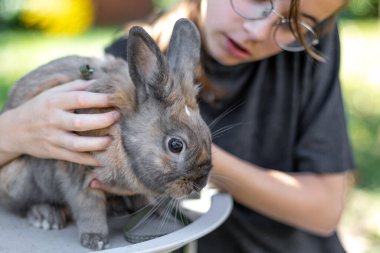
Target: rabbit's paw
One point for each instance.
(94, 241)
(46, 217)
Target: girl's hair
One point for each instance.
(321, 29)
(161, 26)
(160, 29)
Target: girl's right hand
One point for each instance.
(44, 126)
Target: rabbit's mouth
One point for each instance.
(184, 186)
(199, 183)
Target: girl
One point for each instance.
(271, 94)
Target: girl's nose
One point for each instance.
(260, 30)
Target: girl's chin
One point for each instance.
(228, 60)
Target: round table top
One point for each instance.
(16, 235)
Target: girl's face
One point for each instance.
(231, 39)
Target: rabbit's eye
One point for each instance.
(175, 145)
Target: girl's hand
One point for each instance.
(44, 126)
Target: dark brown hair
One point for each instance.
(328, 25)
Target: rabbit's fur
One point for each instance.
(156, 97)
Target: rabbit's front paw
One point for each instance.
(46, 217)
(94, 241)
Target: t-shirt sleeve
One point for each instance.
(323, 144)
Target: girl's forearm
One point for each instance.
(307, 201)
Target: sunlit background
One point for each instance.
(33, 32)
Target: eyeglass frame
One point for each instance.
(282, 21)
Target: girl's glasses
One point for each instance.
(284, 33)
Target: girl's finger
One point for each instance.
(77, 143)
(79, 99)
(75, 157)
(86, 122)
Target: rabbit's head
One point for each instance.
(165, 145)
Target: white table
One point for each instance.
(17, 236)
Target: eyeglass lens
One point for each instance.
(252, 9)
(286, 37)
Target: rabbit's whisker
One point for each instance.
(224, 129)
(138, 210)
(150, 212)
(225, 114)
(162, 215)
(167, 212)
(197, 188)
(219, 132)
(179, 210)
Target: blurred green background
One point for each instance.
(30, 37)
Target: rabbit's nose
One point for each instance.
(199, 183)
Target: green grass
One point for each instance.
(23, 50)
(360, 226)
(361, 86)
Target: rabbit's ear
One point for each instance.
(184, 48)
(147, 66)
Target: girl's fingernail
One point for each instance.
(116, 115)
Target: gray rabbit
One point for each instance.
(161, 145)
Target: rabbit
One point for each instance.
(161, 145)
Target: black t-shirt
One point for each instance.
(286, 113)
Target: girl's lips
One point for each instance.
(236, 49)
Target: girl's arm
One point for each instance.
(313, 202)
